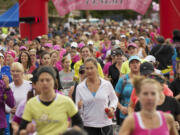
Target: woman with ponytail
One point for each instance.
(148, 121)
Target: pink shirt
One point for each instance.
(58, 66)
(62, 52)
(106, 68)
(140, 130)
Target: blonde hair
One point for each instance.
(56, 52)
(138, 81)
(17, 65)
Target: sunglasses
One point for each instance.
(82, 72)
(157, 78)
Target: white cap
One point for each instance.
(150, 58)
(131, 32)
(117, 42)
(1, 55)
(4, 36)
(74, 44)
(90, 42)
(141, 37)
(123, 36)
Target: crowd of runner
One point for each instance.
(105, 78)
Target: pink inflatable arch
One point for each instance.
(37, 13)
(169, 17)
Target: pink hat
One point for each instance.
(80, 45)
(49, 45)
(133, 45)
(11, 53)
(56, 47)
(23, 48)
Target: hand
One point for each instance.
(23, 132)
(31, 128)
(6, 80)
(13, 110)
(80, 104)
(75, 79)
(178, 96)
(124, 110)
(15, 128)
(177, 125)
(109, 112)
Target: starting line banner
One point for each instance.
(65, 6)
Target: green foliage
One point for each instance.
(5, 4)
(51, 8)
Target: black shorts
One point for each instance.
(2, 130)
(107, 130)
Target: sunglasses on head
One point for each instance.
(157, 78)
(82, 72)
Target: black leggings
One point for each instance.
(2, 131)
(108, 130)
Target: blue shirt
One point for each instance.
(126, 92)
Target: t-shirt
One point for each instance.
(126, 91)
(175, 87)
(66, 80)
(51, 119)
(106, 68)
(19, 112)
(20, 92)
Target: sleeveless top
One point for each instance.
(140, 129)
(140, 53)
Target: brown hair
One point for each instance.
(93, 60)
(138, 81)
(177, 64)
(91, 50)
(63, 59)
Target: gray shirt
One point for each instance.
(66, 80)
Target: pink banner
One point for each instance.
(139, 6)
(65, 6)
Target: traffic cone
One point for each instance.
(171, 76)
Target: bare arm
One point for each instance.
(144, 53)
(177, 97)
(130, 107)
(71, 91)
(127, 126)
(15, 127)
(171, 124)
(122, 108)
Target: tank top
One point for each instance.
(140, 129)
(140, 53)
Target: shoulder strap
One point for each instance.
(124, 83)
(159, 50)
